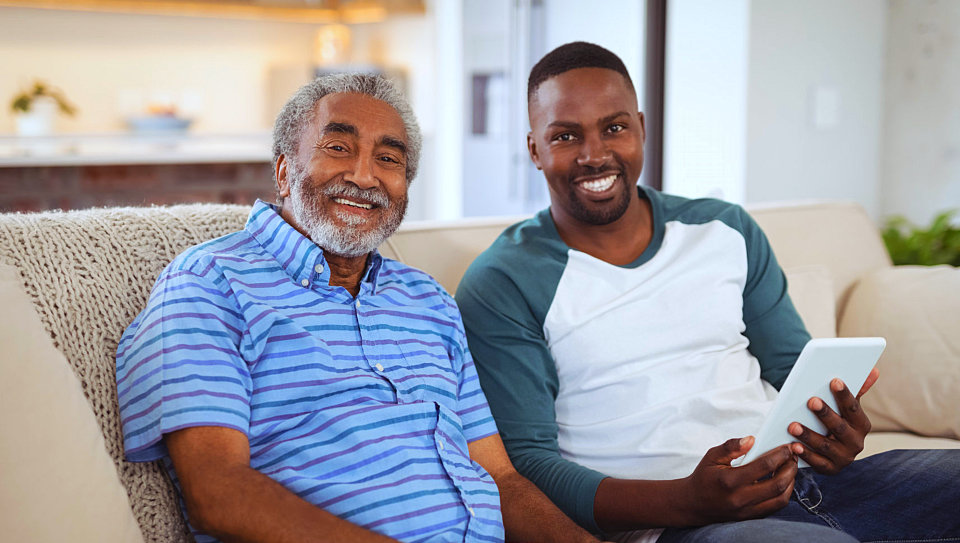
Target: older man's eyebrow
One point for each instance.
(342, 128)
(396, 143)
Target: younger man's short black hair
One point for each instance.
(578, 54)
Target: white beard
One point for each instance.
(325, 233)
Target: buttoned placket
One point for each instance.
(368, 341)
(444, 452)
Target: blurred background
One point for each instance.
(125, 102)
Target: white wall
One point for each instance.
(921, 145)
(705, 102)
(617, 25)
(742, 82)
(807, 58)
(104, 61)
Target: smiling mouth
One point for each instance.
(360, 205)
(599, 185)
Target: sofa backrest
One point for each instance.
(838, 236)
(90, 272)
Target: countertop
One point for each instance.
(133, 148)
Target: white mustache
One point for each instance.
(375, 196)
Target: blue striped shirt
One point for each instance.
(362, 406)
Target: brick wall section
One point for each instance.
(77, 187)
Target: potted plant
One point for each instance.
(925, 246)
(35, 109)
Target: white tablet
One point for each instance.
(821, 360)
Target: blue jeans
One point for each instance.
(903, 496)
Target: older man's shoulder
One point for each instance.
(237, 247)
(412, 281)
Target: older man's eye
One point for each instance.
(389, 159)
(617, 128)
(566, 136)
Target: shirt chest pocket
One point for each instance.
(423, 372)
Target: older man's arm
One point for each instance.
(231, 501)
(528, 515)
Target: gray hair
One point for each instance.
(300, 110)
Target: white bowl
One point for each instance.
(158, 123)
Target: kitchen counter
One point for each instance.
(79, 171)
(133, 148)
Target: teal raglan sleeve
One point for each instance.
(518, 375)
(773, 326)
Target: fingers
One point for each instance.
(850, 410)
(871, 379)
(729, 450)
(820, 462)
(771, 494)
(829, 454)
(764, 465)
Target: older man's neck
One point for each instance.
(346, 271)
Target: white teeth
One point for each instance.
(599, 185)
(354, 204)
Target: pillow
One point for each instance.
(918, 310)
(811, 290)
(57, 481)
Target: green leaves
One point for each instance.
(23, 101)
(937, 244)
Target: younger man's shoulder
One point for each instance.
(527, 260)
(522, 244)
(699, 210)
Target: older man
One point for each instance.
(301, 387)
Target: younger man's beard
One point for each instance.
(342, 240)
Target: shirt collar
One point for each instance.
(299, 257)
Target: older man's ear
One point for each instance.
(283, 186)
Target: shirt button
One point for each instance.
(357, 303)
(305, 282)
(318, 268)
(472, 514)
(440, 443)
(379, 366)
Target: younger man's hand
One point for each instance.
(831, 453)
(723, 493)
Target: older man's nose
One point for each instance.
(363, 175)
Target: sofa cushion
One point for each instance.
(58, 482)
(88, 274)
(837, 235)
(811, 290)
(917, 309)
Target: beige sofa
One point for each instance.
(71, 282)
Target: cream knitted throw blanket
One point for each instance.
(89, 273)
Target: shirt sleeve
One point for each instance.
(773, 326)
(472, 407)
(519, 377)
(179, 365)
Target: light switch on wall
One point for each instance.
(826, 107)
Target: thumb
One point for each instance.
(729, 450)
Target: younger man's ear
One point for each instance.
(283, 186)
(532, 148)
